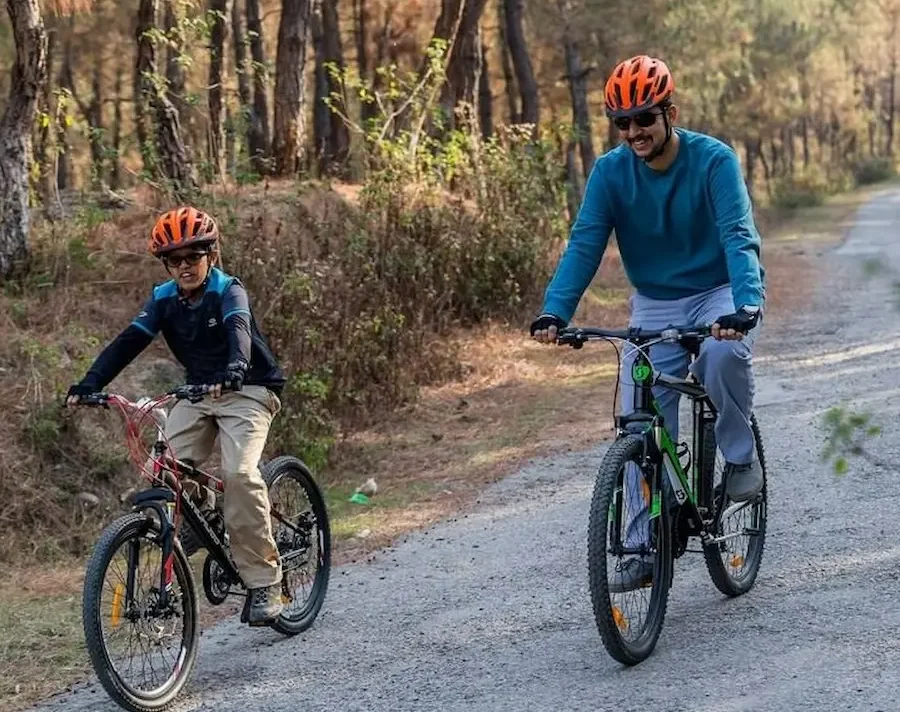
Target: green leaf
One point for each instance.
(841, 466)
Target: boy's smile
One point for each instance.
(189, 268)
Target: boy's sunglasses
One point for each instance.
(648, 118)
(191, 259)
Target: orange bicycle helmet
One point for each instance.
(182, 227)
(638, 84)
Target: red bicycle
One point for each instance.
(139, 593)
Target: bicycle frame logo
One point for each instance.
(640, 372)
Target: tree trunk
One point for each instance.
(15, 131)
(750, 167)
(332, 138)
(221, 10)
(485, 98)
(518, 48)
(290, 61)
(175, 50)
(240, 56)
(577, 76)
(115, 176)
(891, 100)
(66, 82)
(509, 81)
(361, 37)
(169, 147)
(258, 134)
(458, 24)
(574, 191)
(767, 171)
(45, 146)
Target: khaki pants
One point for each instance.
(241, 419)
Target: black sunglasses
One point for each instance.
(648, 118)
(191, 259)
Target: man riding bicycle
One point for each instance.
(205, 317)
(689, 246)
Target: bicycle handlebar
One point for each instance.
(576, 337)
(185, 392)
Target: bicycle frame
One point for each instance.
(169, 500)
(647, 419)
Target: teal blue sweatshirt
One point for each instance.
(680, 232)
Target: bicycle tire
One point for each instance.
(723, 580)
(629, 448)
(113, 537)
(294, 468)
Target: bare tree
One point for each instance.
(15, 131)
(576, 73)
(518, 48)
(290, 61)
(330, 135)
(509, 80)
(258, 136)
(485, 96)
(153, 107)
(458, 24)
(221, 10)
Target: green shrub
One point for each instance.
(873, 170)
(804, 190)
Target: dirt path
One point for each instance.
(491, 611)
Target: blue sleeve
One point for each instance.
(587, 243)
(148, 318)
(236, 317)
(737, 231)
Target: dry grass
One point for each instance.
(516, 400)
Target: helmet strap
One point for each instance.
(658, 151)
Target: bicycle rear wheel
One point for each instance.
(119, 626)
(303, 539)
(733, 564)
(629, 621)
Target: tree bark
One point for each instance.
(330, 134)
(240, 56)
(175, 49)
(218, 40)
(290, 61)
(361, 38)
(45, 146)
(66, 82)
(258, 134)
(115, 176)
(458, 23)
(509, 81)
(170, 150)
(577, 76)
(485, 97)
(15, 131)
(891, 100)
(518, 48)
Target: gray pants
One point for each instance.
(724, 367)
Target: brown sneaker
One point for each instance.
(263, 605)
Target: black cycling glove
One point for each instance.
(233, 376)
(741, 321)
(545, 321)
(81, 389)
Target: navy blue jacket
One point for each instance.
(205, 337)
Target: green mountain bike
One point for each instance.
(683, 493)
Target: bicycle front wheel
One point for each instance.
(142, 651)
(629, 554)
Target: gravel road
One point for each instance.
(491, 611)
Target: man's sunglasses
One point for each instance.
(648, 118)
(191, 259)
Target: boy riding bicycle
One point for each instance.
(205, 318)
